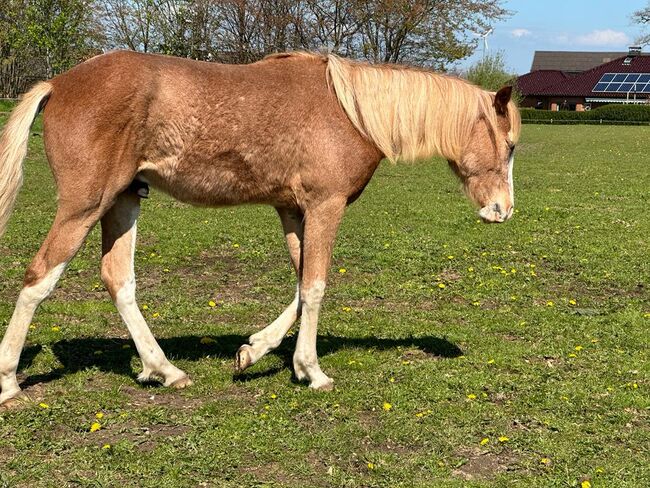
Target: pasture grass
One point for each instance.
(463, 354)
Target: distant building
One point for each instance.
(562, 80)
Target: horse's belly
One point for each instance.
(223, 181)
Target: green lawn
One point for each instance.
(463, 354)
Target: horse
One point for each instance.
(302, 132)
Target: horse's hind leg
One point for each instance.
(270, 337)
(118, 246)
(70, 227)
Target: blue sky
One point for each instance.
(562, 25)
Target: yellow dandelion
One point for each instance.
(550, 303)
(503, 438)
(106, 446)
(371, 466)
(545, 460)
(599, 470)
(156, 315)
(585, 484)
(450, 257)
(145, 307)
(471, 396)
(99, 415)
(212, 304)
(346, 309)
(572, 302)
(387, 406)
(273, 396)
(476, 304)
(578, 348)
(490, 361)
(391, 379)
(43, 405)
(573, 355)
(442, 286)
(484, 441)
(235, 245)
(95, 427)
(56, 328)
(470, 269)
(343, 270)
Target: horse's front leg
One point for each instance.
(321, 224)
(270, 337)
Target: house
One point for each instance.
(582, 81)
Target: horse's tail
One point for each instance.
(13, 147)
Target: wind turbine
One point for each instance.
(484, 36)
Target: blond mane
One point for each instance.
(413, 114)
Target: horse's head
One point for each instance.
(485, 167)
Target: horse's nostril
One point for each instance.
(497, 208)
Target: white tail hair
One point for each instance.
(13, 148)
(410, 113)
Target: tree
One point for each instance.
(425, 32)
(490, 72)
(61, 32)
(643, 17)
(129, 23)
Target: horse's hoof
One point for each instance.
(183, 382)
(243, 358)
(20, 400)
(324, 385)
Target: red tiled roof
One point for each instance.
(534, 83)
(541, 82)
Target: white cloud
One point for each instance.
(520, 32)
(607, 37)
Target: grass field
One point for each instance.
(463, 354)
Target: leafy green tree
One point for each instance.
(62, 32)
(491, 72)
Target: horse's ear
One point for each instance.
(501, 100)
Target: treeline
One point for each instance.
(40, 38)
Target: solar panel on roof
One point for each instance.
(623, 83)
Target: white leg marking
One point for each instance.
(268, 338)
(12, 344)
(154, 362)
(305, 359)
(511, 164)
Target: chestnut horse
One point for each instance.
(299, 131)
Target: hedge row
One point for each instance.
(614, 113)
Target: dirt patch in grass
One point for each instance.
(147, 397)
(144, 438)
(484, 465)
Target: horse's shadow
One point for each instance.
(114, 355)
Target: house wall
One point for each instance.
(554, 103)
